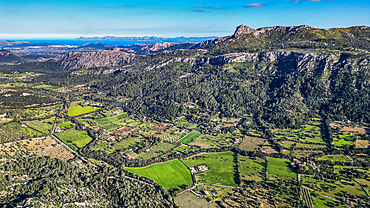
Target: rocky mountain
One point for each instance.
(303, 36)
(94, 59)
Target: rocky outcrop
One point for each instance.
(243, 29)
(94, 59)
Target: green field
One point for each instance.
(80, 138)
(79, 110)
(334, 188)
(221, 165)
(173, 174)
(46, 87)
(181, 148)
(251, 170)
(323, 202)
(124, 144)
(334, 158)
(158, 150)
(66, 124)
(104, 121)
(310, 132)
(280, 167)
(41, 126)
(189, 138)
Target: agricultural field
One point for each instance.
(251, 143)
(206, 141)
(49, 87)
(334, 158)
(158, 150)
(221, 165)
(189, 138)
(44, 126)
(334, 188)
(351, 129)
(66, 125)
(320, 201)
(180, 149)
(80, 138)
(251, 169)
(27, 146)
(289, 144)
(104, 121)
(310, 132)
(59, 152)
(171, 175)
(40, 112)
(280, 167)
(189, 200)
(123, 144)
(13, 131)
(171, 135)
(342, 139)
(79, 110)
(362, 143)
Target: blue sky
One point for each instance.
(52, 19)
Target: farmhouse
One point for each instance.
(200, 168)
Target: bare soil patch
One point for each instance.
(59, 152)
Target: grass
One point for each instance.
(173, 174)
(124, 144)
(310, 132)
(66, 124)
(189, 138)
(46, 87)
(158, 150)
(338, 168)
(342, 142)
(280, 167)
(104, 121)
(334, 188)
(221, 165)
(40, 126)
(335, 158)
(79, 110)
(322, 202)
(251, 169)
(180, 149)
(206, 141)
(80, 138)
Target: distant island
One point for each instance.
(181, 39)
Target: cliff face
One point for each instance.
(94, 59)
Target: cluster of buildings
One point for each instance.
(199, 169)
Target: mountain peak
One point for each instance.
(243, 29)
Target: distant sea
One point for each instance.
(82, 42)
